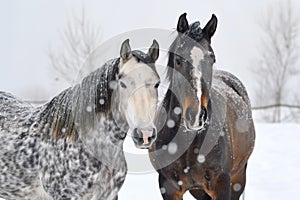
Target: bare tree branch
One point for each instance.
(78, 41)
(277, 63)
(275, 106)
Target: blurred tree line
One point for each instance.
(277, 66)
(276, 69)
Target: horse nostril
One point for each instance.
(190, 115)
(137, 135)
(153, 137)
(203, 114)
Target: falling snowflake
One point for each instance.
(237, 187)
(180, 183)
(101, 101)
(186, 170)
(177, 110)
(172, 148)
(201, 158)
(196, 150)
(164, 147)
(89, 109)
(170, 123)
(113, 85)
(162, 190)
(242, 125)
(63, 130)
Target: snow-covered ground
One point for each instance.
(273, 169)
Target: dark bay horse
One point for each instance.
(71, 148)
(206, 132)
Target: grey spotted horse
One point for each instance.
(71, 147)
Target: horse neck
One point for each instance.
(84, 109)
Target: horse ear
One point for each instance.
(182, 25)
(153, 51)
(210, 27)
(125, 52)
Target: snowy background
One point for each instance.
(29, 28)
(273, 169)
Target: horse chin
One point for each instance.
(188, 127)
(142, 146)
(194, 128)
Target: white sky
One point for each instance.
(29, 27)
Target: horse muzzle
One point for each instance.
(144, 137)
(195, 121)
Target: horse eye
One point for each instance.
(178, 62)
(156, 85)
(123, 85)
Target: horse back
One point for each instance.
(11, 106)
(231, 98)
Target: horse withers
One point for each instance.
(207, 133)
(71, 148)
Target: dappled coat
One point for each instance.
(68, 148)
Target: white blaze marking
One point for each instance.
(197, 55)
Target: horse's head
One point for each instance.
(191, 59)
(137, 90)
